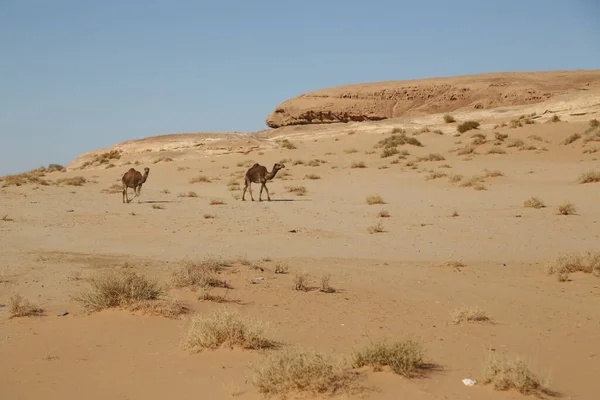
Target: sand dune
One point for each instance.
(455, 227)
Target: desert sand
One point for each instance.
(452, 231)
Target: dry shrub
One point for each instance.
(388, 152)
(114, 188)
(312, 176)
(396, 140)
(163, 159)
(435, 175)
(533, 202)
(33, 177)
(225, 328)
(374, 199)
(297, 190)
(516, 143)
(492, 174)
(467, 126)
(302, 282)
(75, 181)
(496, 150)
(204, 274)
(281, 269)
(567, 209)
(216, 202)
(158, 207)
(403, 357)
(188, 194)
(128, 290)
(474, 182)
(555, 118)
(589, 177)
(200, 179)
(383, 214)
(19, 306)
(350, 151)
(565, 264)
(377, 228)
(468, 314)
(296, 370)
(209, 216)
(571, 139)
(286, 144)
(466, 150)
(500, 136)
(326, 284)
(432, 157)
(511, 373)
(449, 119)
(358, 164)
(454, 178)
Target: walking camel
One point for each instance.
(259, 174)
(134, 179)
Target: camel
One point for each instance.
(134, 179)
(259, 174)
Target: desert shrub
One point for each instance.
(567, 209)
(565, 264)
(468, 314)
(504, 373)
(374, 199)
(467, 126)
(533, 202)
(203, 273)
(74, 181)
(403, 357)
(19, 306)
(571, 138)
(286, 144)
(200, 179)
(449, 119)
(589, 177)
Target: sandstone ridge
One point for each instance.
(411, 98)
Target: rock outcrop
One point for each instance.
(392, 99)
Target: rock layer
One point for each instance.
(393, 99)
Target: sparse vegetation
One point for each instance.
(388, 152)
(326, 284)
(467, 126)
(74, 181)
(555, 118)
(200, 179)
(468, 314)
(496, 150)
(297, 190)
(216, 202)
(32, 177)
(350, 151)
(397, 140)
(224, 327)
(449, 119)
(281, 269)
(565, 264)
(374, 199)
(515, 143)
(312, 176)
(163, 159)
(377, 228)
(435, 175)
(431, 157)
(466, 151)
(188, 194)
(383, 214)
(158, 206)
(128, 290)
(286, 144)
(504, 373)
(295, 370)
(589, 177)
(358, 164)
(21, 307)
(403, 357)
(572, 138)
(533, 202)
(200, 274)
(302, 282)
(567, 209)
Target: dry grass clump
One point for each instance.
(454, 178)
(74, 181)
(403, 357)
(390, 151)
(476, 182)
(377, 228)
(34, 177)
(589, 177)
(468, 314)
(312, 176)
(383, 214)
(326, 284)
(128, 290)
(158, 206)
(225, 328)
(188, 194)
(358, 164)
(572, 138)
(492, 174)
(516, 143)
(449, 119)
(555, 118)
(302, 282)
(216, 202)
(565, 264)
(350, 151)
(374, 199)
(396, 140)
(114, 188)
(203, 273)
(466, 151)
(19, 306)
(296, 370)
(163, 159)
(511, 373)
(281, 269)
(435, 175)
(286, 144)
(297, 190)
(496, 150)
(200, 179)
(567, 209)
(467, 126)
(432, 157)
(533, 202)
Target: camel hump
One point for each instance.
(255, 165)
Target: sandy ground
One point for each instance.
(393, 284)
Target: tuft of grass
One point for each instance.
(350, 151)
(6, 218)
(295, 370)
(396, 140)
(297, 190)
(555, 118)
(435, 175)
(326, 284)
(203, 273)
(374, 199)
(567, 209)
(466, 151)
(505, 373)
(281, 269)
(492, 174)
(128, 290)
(163, 159)
(449, 119)
(358, 164)
(432, 157)
(565, 264)
(312, 176)
(572, 138)
(390, 151)
(209, 216)
(200, 179)
(216, 202)
(188, 194)
(21, 307)
(516, 143)
(589, 177)
(496, 150)
(594, 123)
(533, 202)
(286, 144)
(467, 126)
(468, 314)
(377, 228)
(158, 207)
(383, 214)
(225, 328)
(302, 282)
(403, 357)
(74, 181)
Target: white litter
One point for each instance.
(469, 382)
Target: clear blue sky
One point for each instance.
(78, 75)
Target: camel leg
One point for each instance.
(267, 190)
(139, 192)
(126, 194)
(244, 192)
(250, 190)
(262, 185)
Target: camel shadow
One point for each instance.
(158, 201)
(290, 200)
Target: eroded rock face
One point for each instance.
(393, 99)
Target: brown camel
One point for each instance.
(134, 179)
(259, 174)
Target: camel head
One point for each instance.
(146, 170)
(278, 166)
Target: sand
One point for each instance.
(394, 284)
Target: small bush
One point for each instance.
(21, 307)
(163, 159)
(432, 157)
(555, 118)
(377, 228)
(302, 282)
(572, 138)
(383, 214)
(404, 358)
(505, 374)
(74, 181)
(297, 190)
(397, 140)
(496, 150)
(359, 164)
(216, 202)
(200, 179)
(286, 144)
(589, 177)
(296, 370)
(468, 314)
(467, 126)
(594, 123)
(435, 175)
(466, 151)
(281, 269)
(326, 285)
(449, 119)
(565, 264)
(374, 199)
(312, 176)
(516, 143)
(204, 274)
(533, 202)
(350, 151)
(223, 327)
(188, 194)
(388, 152)
(567, 209)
